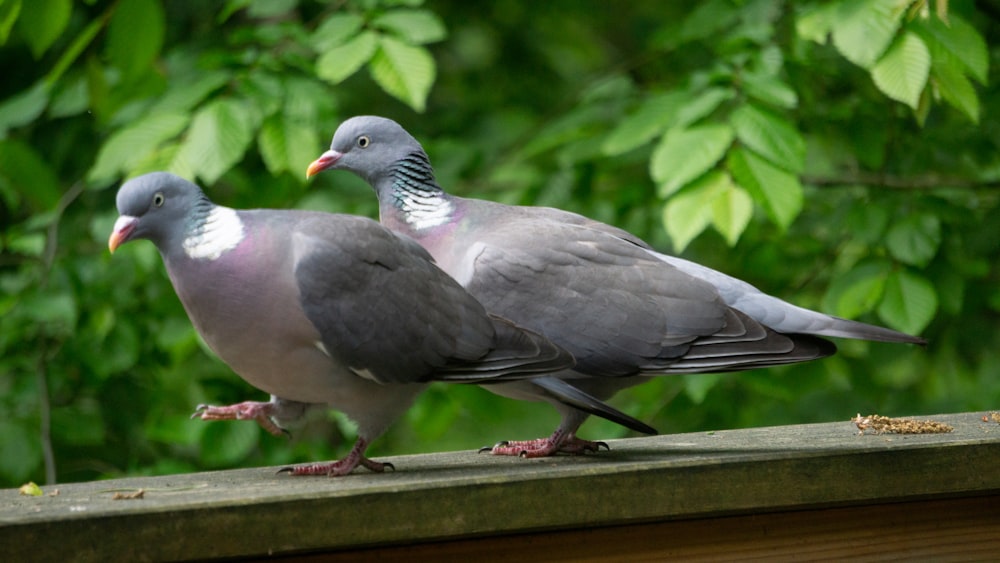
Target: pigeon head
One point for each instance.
(367, 145)
(157, 207)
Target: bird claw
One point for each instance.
(247, 410)
(500, 444)
(545, 447)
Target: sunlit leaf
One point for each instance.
(342, 61)
(413, 26)
(217, 139)
(731, 211)
(960, 40)
(127, 147)
(902, 73)
(910, 302)
(776, 190)
(685, 154)
(770, 136)
(863, 29)
(404, 71)
(336, 30)
(712, 199)
(957, 90)
(651, 118)
(814, 24)
(287, 145)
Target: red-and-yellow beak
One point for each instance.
(122, 231)
(325, 161)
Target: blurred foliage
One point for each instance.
(839, 154)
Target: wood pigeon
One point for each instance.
(622, 309)
(316, 308)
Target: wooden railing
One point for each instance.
(795, 492)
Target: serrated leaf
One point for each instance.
(42, 22)
(344, 60)
(135, 35)
(902, 73)
(701, 104)
(713, 199)
(650, 119)
(217, 139)
(858, 291)
(770, 89)
(404, 71)
(413, 26)
(909, 303)
(731, 211)
(770, 136)
(961, 41)
(777, 191)
(127, 147)
(286, 145)
(685, 154)
(863, 29)
(336, 30)
(957, 90)
(915, 240)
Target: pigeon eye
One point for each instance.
(364, 141)
(158, 199)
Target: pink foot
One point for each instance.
(342, 467)
(545, 447)
(247, 410)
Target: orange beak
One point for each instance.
(122, 231)
(325, 161)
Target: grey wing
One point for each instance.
(379, 304)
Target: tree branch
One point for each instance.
(874, 180)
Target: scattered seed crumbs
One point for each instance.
(994, 416)
(129, 496)
(884, 425)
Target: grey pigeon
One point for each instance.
(315, 308)
(622, 309)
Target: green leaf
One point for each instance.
(344, 60)
(127, 147)
(650, 119)
(336, 30)
(956, 89)
(814, 24)
(416, 27)
(23, 108)
(777, 191)
(731, 211)
(858, 291)
(225, 443)
(183, 95)
(960, 40)
(863, 29)
(770, 136)
(915, 240)
(685, 154)
(9, 12)
(404, 71)
(902, 73)
(42, 22)
(713, 199)
(701, 104)
(287, 146)
(135, 35)
(23, 167)
(707, 19)
(910, 302)
(770, 89)
(218, 138)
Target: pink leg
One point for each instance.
(558, 442)
(341, 467)
(247, 410)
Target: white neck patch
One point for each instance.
(426, 211)
(221, 232)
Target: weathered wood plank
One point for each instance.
(461, 494)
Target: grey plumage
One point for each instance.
(622, 309)
(315, 308)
